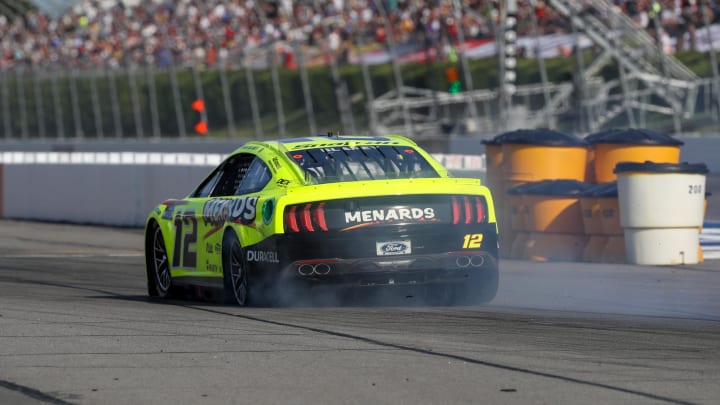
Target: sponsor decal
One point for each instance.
(262, 256)
(403, 247)
(218, 211)
(354, 142)
(267, 210)
(387, 215)
(210, 248)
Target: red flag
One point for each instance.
(201, 128)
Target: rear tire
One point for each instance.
(159, 279)
(236, 286)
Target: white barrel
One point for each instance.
(657, 200)
(661, 209)
(662, 246)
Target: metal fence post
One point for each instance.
(6, 105)
(225, 87)
(39, 107)
(22, 102)
(713, 62)
(579, 77)
(199, 91)
(177, 100)
(135, 100)
(152, 92)
(253, 99)
(57, 106)
(368, 86)
(304, 80)
(115, 105)
(96, 104)
(75, 101)
(276, 91)
(407, 119)
(457, 11)
(307, 94)
(541, 65)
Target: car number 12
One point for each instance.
(185, 240)
(472, 241)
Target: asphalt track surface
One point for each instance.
(76, 327)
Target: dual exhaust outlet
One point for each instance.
(323, 269)
(474, 261)
(319, 269)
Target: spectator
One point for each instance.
(211, 32)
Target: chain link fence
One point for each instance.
(280, 90)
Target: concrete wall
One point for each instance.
(120, 195)
(702, 150)
(116, 188)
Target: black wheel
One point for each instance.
(158, 266)
(236, 287)
(479, 288)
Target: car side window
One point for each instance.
(233, 173)
(207, 185)
(257, 176)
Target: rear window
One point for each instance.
(332, 165)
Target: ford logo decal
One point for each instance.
(394, 247)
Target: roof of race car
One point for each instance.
(333, 141)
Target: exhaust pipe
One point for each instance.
(322, 269)
(306, 269)
(477, 261)
(462, 261)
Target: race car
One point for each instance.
(279, 218)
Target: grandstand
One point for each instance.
(145, 44)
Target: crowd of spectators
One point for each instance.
(209, 32)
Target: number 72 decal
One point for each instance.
(472, 241)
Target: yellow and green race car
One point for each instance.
(279, 218)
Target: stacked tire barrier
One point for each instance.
(559, 198)
(528, 156)
(552, 227)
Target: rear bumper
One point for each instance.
(422, 255)
(409, 270)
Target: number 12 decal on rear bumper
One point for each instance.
(472, 241)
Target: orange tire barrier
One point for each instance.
(520, 246)
(614, 250)
(631, 145)
(592, 222)
(595, 248)
(550, 247)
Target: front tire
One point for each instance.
(158, 266)
(236, 286)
